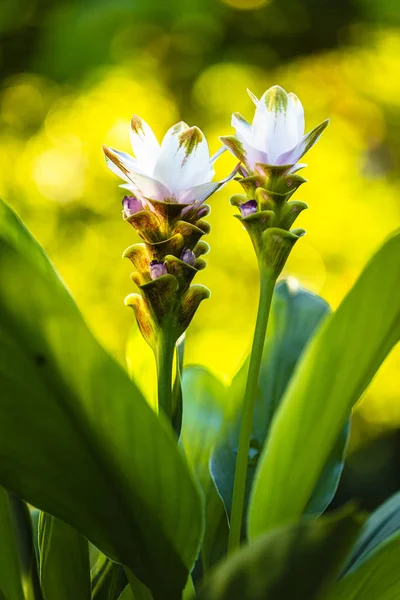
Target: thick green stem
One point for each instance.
(165, 359)
(267, 284)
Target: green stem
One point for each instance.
(165, 359)
(267, 284)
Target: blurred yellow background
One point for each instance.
(59, 102)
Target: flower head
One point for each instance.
(179, 170)
(276, 135)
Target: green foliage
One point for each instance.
(204, 400)
(334, 372)
(64, 561)
(376, 578)
(297, 561)
(95, 446)
(18, 568)
(383, 523)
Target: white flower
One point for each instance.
(178, 170)
(276, 136)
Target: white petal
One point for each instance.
(244, 152)
(119, 163)
(199, 193)
(253, 97)
(184, 158)
(275, 124)
(298, 110)
(297, 167)
(149, 187)
(243, 127)
(308, 141)
(217, 154)
(144, 145)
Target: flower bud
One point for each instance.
(130, 206)
(157, 269)
(188, 256)
(248, 208)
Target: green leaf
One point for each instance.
(295, 315)
(99, 458)
(10, 574)
(297, 561)
(204, 400)
(328, 481)
(18, 567)
(382, 523)
(335, 370)
(377, 578)
(64, 560)
(109, 582)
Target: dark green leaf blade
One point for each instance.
(336, 369)
(92, 438)
(377, 578)
(10, 572)
(382, 524)
(300, 561)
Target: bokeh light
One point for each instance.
(61, 100)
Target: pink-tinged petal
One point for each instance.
(253, 97)
(275, 124)
(144, 145)
(149, 187)
(243, 128)
(298, 110)
(200, 193)
(184, 158)
(308, 141)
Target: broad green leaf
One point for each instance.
(77, 439)
(382, 524)
(203, 414)
(335, 370)
(295, 315)
(298, 562)
(377, 578)
(10, 571)
(64, 560)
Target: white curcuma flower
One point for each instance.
(276, 136)
(179, 170)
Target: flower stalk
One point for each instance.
(267, 285)
(269, 150)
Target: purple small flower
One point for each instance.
(130, 206)
(157, 269)
(188, 257)
(248, 208)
